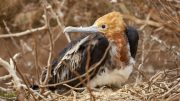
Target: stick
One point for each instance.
(150, 22)
(19, 34)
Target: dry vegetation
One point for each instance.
(31, 36)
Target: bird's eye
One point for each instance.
(103, 26)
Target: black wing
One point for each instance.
(133, 38)
(72, 60)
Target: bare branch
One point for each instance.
(73, 88)
(150, 22)
(10, 68)
(165, 45)
(50, 49)
(19, 34)
(5, 89)
(17, 82)
(9, 32)
(3, 78)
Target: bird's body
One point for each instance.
(74, 58)
(103, 57)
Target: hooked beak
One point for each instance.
(90, 29)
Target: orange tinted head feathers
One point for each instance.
(111, 23)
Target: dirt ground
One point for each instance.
(157, 59)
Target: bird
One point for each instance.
(103, 55)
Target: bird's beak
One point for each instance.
(90, 29)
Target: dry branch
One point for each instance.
(11, 69)
(3, 78)
(18, 86)
(50, 49)
(9, 32)
(177, 54)
(19, 34)
(150, 22)
(5, 89)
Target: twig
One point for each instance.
(155, 77)
(9, 32)
(75, 95)
(87, 76)
(23, 78)
(38, 69)
(61, 26)
(174, 97)
(16, 80)
(74, 88)
(19, 34)
(150, 22)
(5, 89)
(50, 49)
(10, 68)
(165, 45)
(88, 62)
(169, 91)
(139, 77)
(3, 78)
(36, 93)
(147, 19)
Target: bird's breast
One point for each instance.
(118, 58)
(115, 77)
(119, 47)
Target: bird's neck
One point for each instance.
(120, 45)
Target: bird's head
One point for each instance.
(108, 25)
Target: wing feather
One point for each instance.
(74, 57)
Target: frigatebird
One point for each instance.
(105, 54)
